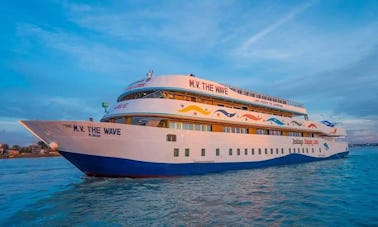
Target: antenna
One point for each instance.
(150, 73)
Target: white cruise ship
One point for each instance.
(176, 125)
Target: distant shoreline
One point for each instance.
(364, 145)
(31, 155)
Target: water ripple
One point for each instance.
(335, 192)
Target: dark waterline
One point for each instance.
(50, 191)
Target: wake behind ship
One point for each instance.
(176, 125)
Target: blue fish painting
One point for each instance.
(226, 113)
(329, 124)
(275, 120)
(326, 146)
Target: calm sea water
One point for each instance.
(50, 191)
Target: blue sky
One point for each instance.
(61, 59)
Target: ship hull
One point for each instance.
(100, 166)
(121, 150)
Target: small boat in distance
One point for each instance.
(174, 125)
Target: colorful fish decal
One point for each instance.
(252, 117)
(312, 125)
(327, 123)
(225, 113)
(296, 122)
(275, 120)
(195, 108)
(326, 146)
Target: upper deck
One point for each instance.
(190, 83)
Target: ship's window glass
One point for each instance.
(275, 132)
(312, 150)
(246, 151)
(266, 151)
(187, 153)
(209, 128)
(303, 150)
(185, 126)
(176, 152)
(294, 150)
(306, 150)
(282, 150)
(238, 151)
(178, 125)
(233, 130)
(171, 137)
(217, 152)
(261, 131)
(171, 124)
(203, 128)
(230, 151)
(203, 152)
(120, 120)
(271, 150)
(197, 127)
(244, 108)
(253, 151)
(276, 150)
(289, 150)
(190, 126)
(320, 149)
(259, 151)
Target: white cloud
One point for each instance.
(246, 47)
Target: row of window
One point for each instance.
(229, 129)
(190, 126)
(268, 132)
(298, 134)
(235, 130)
(208, 100)
(258, 151)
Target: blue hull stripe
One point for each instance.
(118, 167)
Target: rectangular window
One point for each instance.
(289, 150)
(230, 151)
(246, 151)
(282, 150)
(187, 152)
(171, 137)
(271, 150)
(171, 124)
(176, 152)
(203, 152)
(266, 151)
(238, 151)
(253, 151)
(217, 152)
(259, 151)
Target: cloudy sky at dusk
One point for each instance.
(61, 59)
